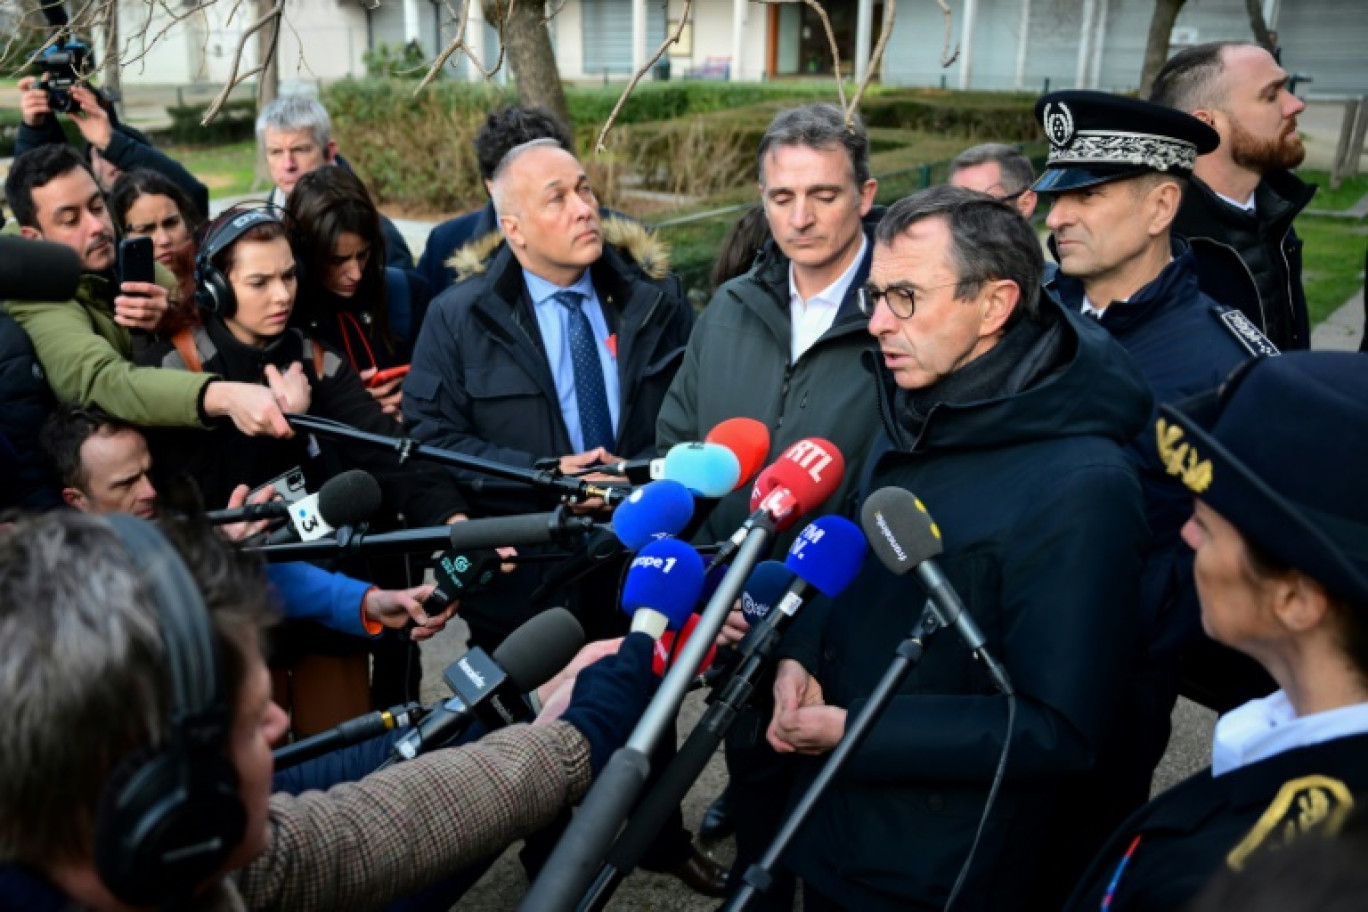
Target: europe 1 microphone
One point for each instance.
(490, 689)
(906, 539)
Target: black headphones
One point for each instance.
(213, 291)
(171, 817)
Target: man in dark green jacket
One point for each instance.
(781, 344)
(85, 344)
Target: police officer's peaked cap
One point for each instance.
(1097, 137)
(1280, 451)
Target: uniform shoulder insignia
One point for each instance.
(1245, 332)
(1311, 804)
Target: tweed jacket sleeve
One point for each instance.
(363, 844)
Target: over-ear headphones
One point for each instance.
(173, 815)
(213, 291)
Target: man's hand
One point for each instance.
(141, 306)
(578, 461)
(33, 103)
(91, 119)
(236, 532)
(802, 721)
(389, 394)
(555, 693)
(291, 389)
(735, 628)
(252, 408)
(396, 607)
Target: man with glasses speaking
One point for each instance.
(1008, 417)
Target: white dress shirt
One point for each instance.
(814, 316)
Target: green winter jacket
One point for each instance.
(86, 356)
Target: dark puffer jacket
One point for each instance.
(1043, 528)
(1268, 245)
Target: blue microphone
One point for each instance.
(662, 587)
(658, 509)
(766, 586)
(706, 469)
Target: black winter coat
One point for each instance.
(1190, 832)
(221, 459)
(1268, 245)
(1043, 529)
(26, 477)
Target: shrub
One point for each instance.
(236, 121)
(395, 61)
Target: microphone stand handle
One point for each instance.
(760, 875)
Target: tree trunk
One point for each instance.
(1156, 48)
(1258, 25)
(268, 81)
(530, 55)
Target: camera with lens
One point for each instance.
(62, 65)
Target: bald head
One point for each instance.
(547, 211)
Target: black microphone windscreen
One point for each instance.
(349, 498)
(37, 270)
(532, 654)
(900, 531)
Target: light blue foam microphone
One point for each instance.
(652, 511)
(662, 587)
(706, 469)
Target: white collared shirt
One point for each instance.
(1247, 205)
(1089, 311)
(814, 316)
(1270, 726)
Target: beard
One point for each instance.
(1262, 156)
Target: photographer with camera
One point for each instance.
(111, 147)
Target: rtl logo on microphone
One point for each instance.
(811, 456)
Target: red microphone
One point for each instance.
(803, 477)
(671, 644)
(748, 439)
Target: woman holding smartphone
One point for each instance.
(1280, 531)
(347, 297)
(146, 203)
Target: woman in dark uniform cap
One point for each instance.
(1275, 461)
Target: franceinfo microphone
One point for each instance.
(663, 584)
(905, 538)
(491, 690)
(33, 270)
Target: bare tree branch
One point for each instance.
(947, 58)
(886, 32)
(816, 7)
(599, 148)
(234, 80)
(459, 43)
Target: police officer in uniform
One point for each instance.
(1279, 528)
(1115, 178)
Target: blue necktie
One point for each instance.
(596, 422)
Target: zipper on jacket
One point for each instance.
(783, 396)
(1291, 306)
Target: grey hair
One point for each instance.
(497, 186)
(989, 240)
(81, 652)
(295, 112)
(818, 126)
(1017, 173)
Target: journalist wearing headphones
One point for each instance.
(136, 767)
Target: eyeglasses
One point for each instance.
(901, 299)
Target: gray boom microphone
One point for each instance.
(905, 538)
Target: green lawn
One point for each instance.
(1332, 262)
(227, 170)
(1349, 192)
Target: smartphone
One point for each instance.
(386, 375)
(135, 260)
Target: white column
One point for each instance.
(864, 37)
(1271, 9)
(638, 34)
(411, 21)
(967, 43)
(1085, 43)
(474, 36)
(1023, 43)
(738, 37)
(1099, 38)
